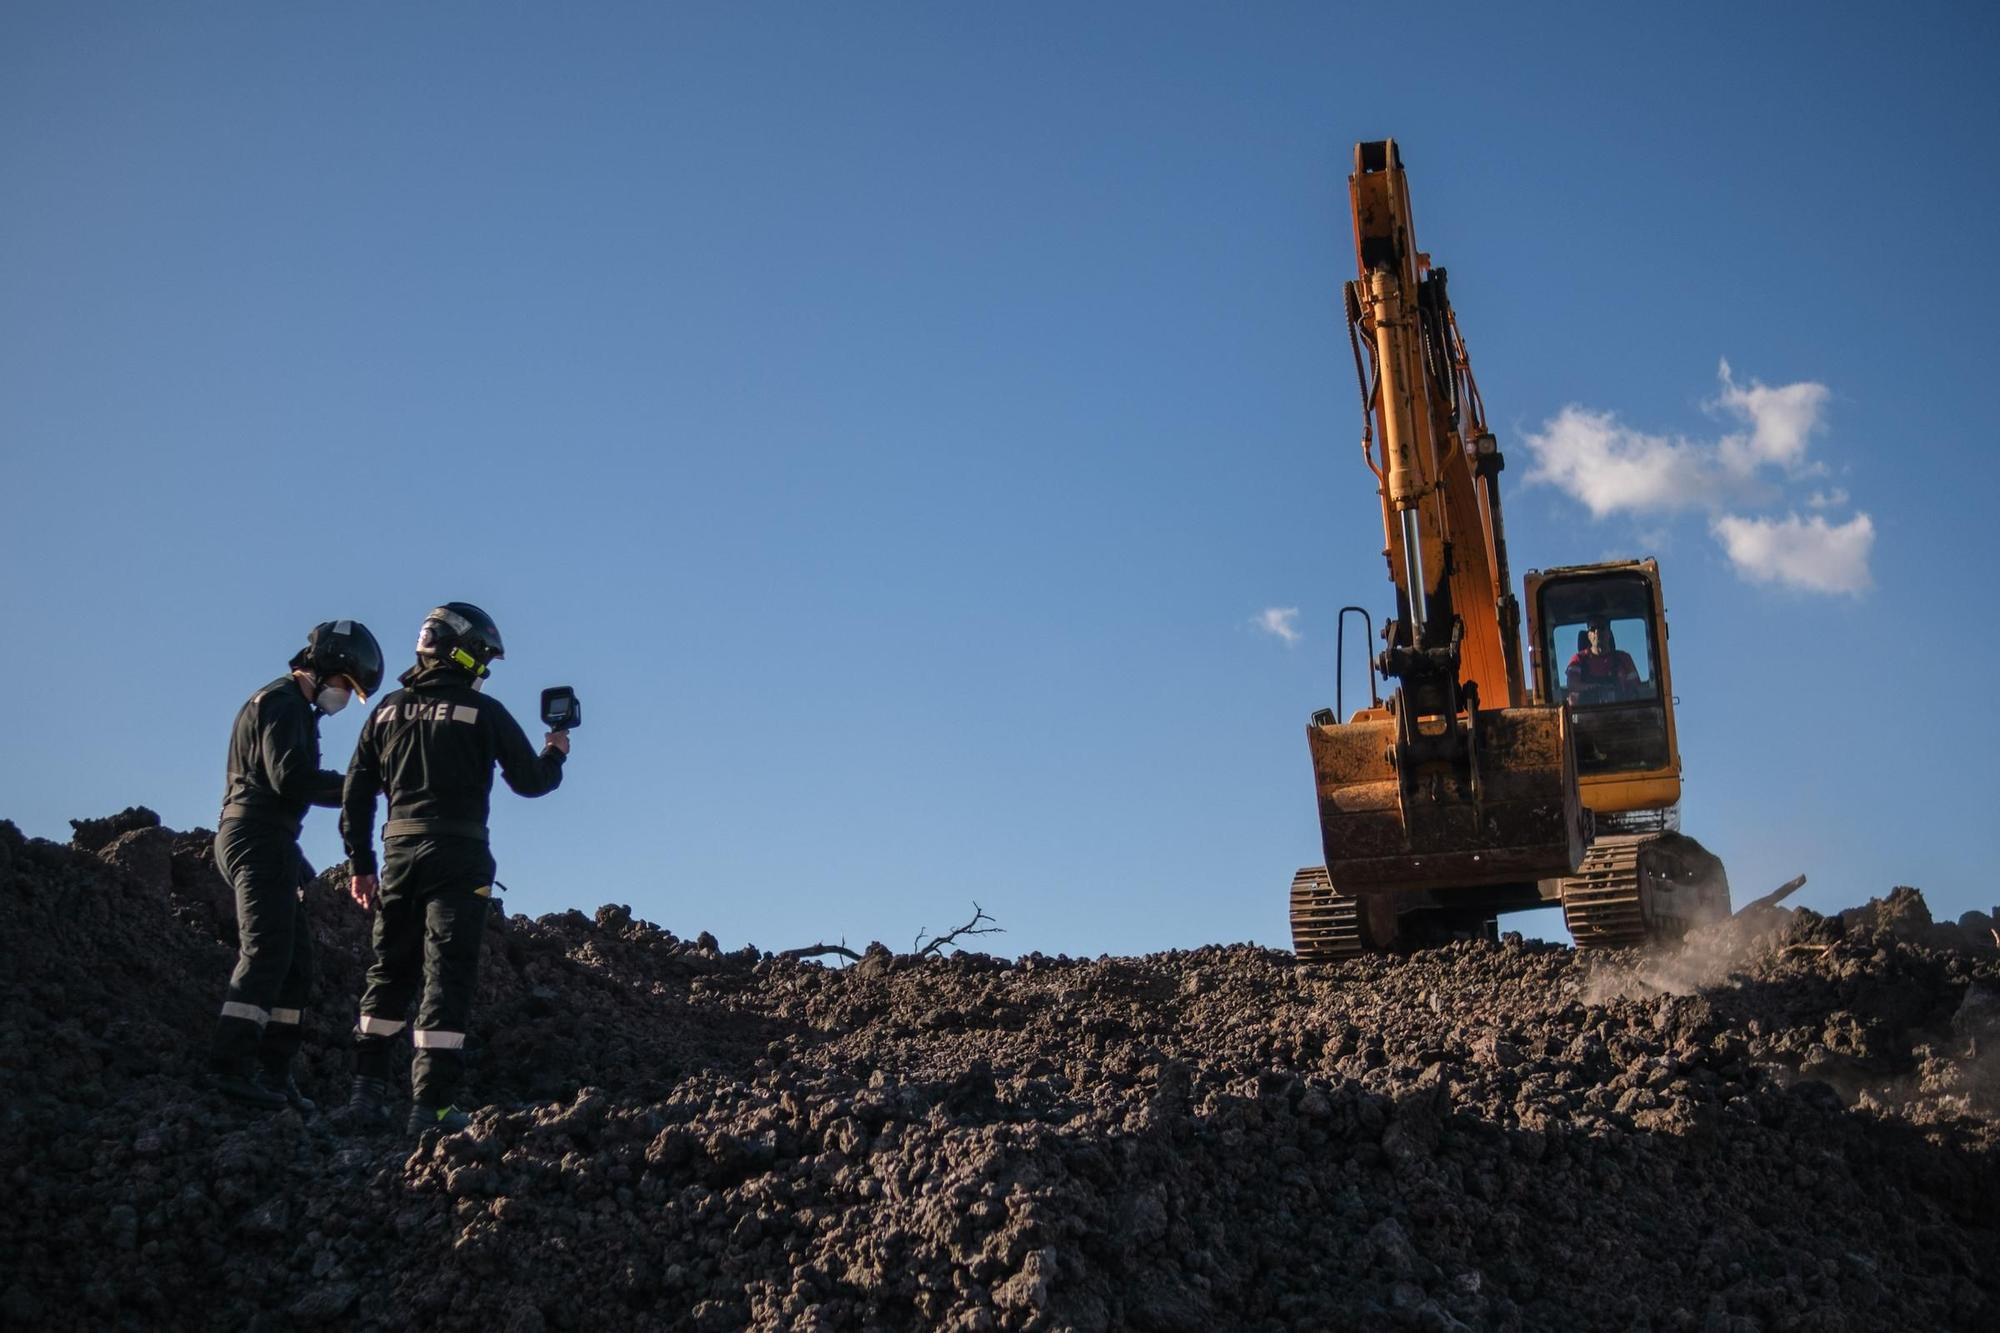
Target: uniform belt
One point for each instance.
(256, 815)
(427, 828)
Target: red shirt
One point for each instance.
(1614, 669)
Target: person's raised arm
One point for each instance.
(529, 773)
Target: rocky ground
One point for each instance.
(1791, 1124)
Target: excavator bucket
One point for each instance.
(1505, 812)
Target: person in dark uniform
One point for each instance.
(432, 747)
(274, 775)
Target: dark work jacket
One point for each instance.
(432, 746)
(274, 772)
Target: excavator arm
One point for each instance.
(1438, 474)
(1459, 782)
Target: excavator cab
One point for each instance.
(1598, 643)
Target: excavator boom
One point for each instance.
(1460, 782)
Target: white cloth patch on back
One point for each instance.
(463, 713)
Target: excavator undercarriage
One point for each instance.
(1632, 889)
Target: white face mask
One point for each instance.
(331, 699)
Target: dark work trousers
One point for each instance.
(428, 926)
(273, 976)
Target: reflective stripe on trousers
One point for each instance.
(372, 1026)
(272, 979)
(434, 1040)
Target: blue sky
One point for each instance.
(896, 419)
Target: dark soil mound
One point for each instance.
(1789, 1124)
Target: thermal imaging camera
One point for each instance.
(561, 709)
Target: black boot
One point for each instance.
(232, 1064)
(367, 1109)
(241, 1087)
(444, 1119)
(278, 1079)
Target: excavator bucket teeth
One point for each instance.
(1508, 814)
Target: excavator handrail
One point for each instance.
(1340, 661)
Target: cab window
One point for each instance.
(1598, 653)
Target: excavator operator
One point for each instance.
(1600, 673)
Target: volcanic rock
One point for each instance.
(1785, 1124)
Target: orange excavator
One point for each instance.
(1483, 785)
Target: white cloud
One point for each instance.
(1279, 620)
(1611, 468)
(1781, 421)
(1805, 553)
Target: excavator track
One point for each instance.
(1634, 888)
(1601, 901)
(1326, 926)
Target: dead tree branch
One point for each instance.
(922, 950)
(820, 951)
(925, 946)
(1775, 896)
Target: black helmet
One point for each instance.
(342, 648)
(462, 634)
